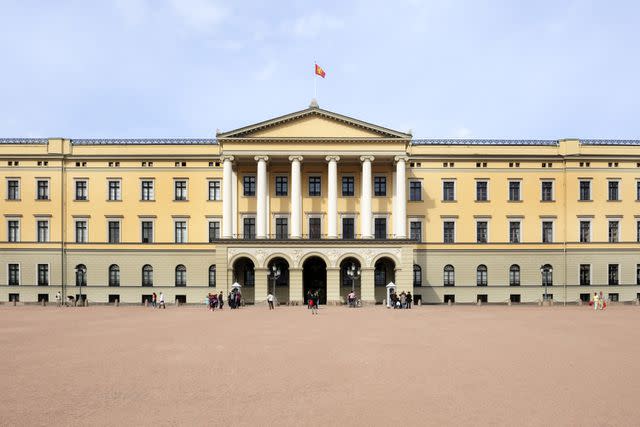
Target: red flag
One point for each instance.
(320, 72)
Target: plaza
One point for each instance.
(431, 365)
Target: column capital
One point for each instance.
(367, 158)
(401, 158)
(293, 158)
(332, 158)
(263, 158)
(224, 158)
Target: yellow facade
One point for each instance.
(541, 227)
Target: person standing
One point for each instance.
(409, 299)
(315, 300)
(58, 299)
(221, 300)
(161, 303)
(596, 303)
(154, 300)
(270, 300)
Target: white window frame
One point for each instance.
(211, 219)
(241, 224)
(215, 199)
(373, 180)
(19, 219)
(75, 190)
(48, 180)
(415, 219)
(186, 232)
(14, 178)
(421, 181)
(617, 219)
(373, 223)
(48, 236)
(316, 215)
(19, 273)
(455, 228)
(590, 273)
(481, 219)
(520, 190)
(153, 190)
(186, 190)
(281, 215)
(275, 177)
(151, 219)
(355, 185)
(112, 219)
(455, 190)
(355, 224)
(553, 189)
(75, 233)
(37, 273)
(590, 181)
(619, 181)
(119, 194)
(519, 221)
(475, 195)
(590, 221)
(553, 229)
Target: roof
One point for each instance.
(146, 141)
(610, 141)
(24, 141)
(313, 110)
(545, 142)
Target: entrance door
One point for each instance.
(314, 278)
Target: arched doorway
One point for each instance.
(282, 282)
(314, 277)
(244, 273)
(346, 283)
(384, 272)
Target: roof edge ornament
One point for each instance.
(314, 103)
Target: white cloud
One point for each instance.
(132, 11)
(200, 15)
(462, 132)
(315, 24)
(267, 71)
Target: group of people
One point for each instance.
(217, 300)
(313, 300)
(598, 302)
(404, 300)
(157, 302)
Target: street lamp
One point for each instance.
(544, 271)
(354, 273)
(275, 274)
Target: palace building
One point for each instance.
(315, 193)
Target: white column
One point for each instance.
(365, 198)
(234, 204)
(296, 197)
(332, 201)
(261, 197)
(400, 208)
(227, 196)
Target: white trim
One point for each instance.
(119, 194)
(455, 228)
(488, 221)
(48, 273)
(75, 228)
(408, 184)
(48, 180)
(355, 224)
(19, 274)
(14, 178)
(242, 217)
(373, 224)
(519, 181)
(281, 215)
(186, 189)
(186, 233)
(553, 228)
(209, 181)
(48, 236)
(520, 229)
(416, 219)
(619, 221)
(589, 220)
(590, 274)
(118, 220)
(475, 198)
(617, 180)
(455, 190)
(210, 219)
(14, 218)
(75, 189)
(153, 228)
(553, 189)
(153, 190)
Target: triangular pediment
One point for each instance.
(312, 123)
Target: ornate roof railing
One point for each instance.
(547, 142)
(610, 141)
(24, 140)
(146, 141)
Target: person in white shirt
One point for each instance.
(270, 300)
(161, 302)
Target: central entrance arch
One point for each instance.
(314, 278)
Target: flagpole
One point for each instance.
(315, 82)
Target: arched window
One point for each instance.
(181, 275)
(114, 275)
(81, 275)
(547, 275)
(514, 275)
(481, 275)
(380, 275)
(212, 275)
(449, 275)
(417, 275)
(147, 275)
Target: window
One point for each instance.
(448, 191)
(180, 190)
(380, 228)
(348, 228)
(314, 186)
(547, 191)
(613, 274)
(514, 191)
(415, 191)
(638, 231)
(348, 186)
(514, 231)
(282, 228)
(81, 190)
(481, 275)
(482, 191)
(81, 275)
(214, 190)
(638, 190)
(547, 231)
(214, 231)
(585, 231)
(249, 228)
(249, 185)
(147, 275)
(415, 230)
(181, 275)
(314, 228)
(249, 277)
(282, 186)
(547, 275)
(212, 275)
(449, 275)
(180, 231)
(585, 191)
(380, 275)
(114, 190)
(482, 231)
(585, 274)
(614, 228)
(147, 231)
(43, 274)
(13, 189)
(13, 230)
(81, 231)
(637, 274)
(449, 232)
(380, 186)
(417, 275)
(114, 231)
(43, 231)
(614, 297)
(14, 275)
(114, 275)
(147, 190)
(514, 275)
(613, 191)
(42, 189)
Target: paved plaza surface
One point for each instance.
(460, 365)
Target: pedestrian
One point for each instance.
(238, 299)
(403, 300)
(309, 298)
(270, 300)
(409, 300)
(221, 300)
(601, 301)
(58, 299)
(596, 303)
(161, 301)
(154, 300)
(313, 302)
(211, 301)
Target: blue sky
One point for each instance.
(184, 68)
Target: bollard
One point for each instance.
(117, 302)
(146, 302)
(449, 303)
(420, 302)
(479, 303)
